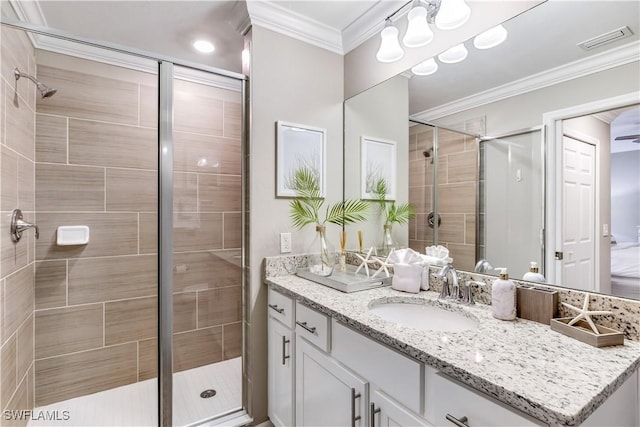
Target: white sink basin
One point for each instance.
(424, 316)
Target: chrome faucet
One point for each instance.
(454, 292)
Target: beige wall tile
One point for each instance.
(206, 154)
(112, 145)
(232, 120)
(219, 193)
(51, 284)
(2, 109)
(19, 401)
(464, 256)
(149, 106)
(457, 198)
(147, 359)
(15, 51)
(62, 188)
(148, 233)
(51, 139)
(30, 390)
(232, 230)
(197, 231)
(462, 167)
(67, 330)
(470, 229)
(232, 334)
(18, 299)
(65, 377)
(452, 228)
(423, 232)
(219, 306)
(113, 278)
(19, 123)
(8, 370)
(450, 142)
(417, 172)
(417, 196)
(424, 139)
(203, 270)
(9, 181)
(110, 234)
(24, 347)
(14, 255)
(132, 190)
(130, 320)
(196, 111)
(26, 188)
(185, 192)
(89, 96)
(197, 348)
(184, 312)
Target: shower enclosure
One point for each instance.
(143, 323)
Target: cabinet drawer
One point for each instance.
(313, 326)
(281, 308)
(400, 377)
(446, 396)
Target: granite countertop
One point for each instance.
(522, 363)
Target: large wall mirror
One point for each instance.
(528, 151)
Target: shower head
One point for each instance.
(45, 91)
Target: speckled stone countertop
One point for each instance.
(524, 364)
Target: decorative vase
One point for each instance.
(322, 256)
(388, 243)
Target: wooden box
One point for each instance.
(582, 332)
(537, 304)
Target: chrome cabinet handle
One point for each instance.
(372, 414)
(460, 422)
(285, 341)
(311, 329)
(18, 225)
(275, 307)
(354, 396)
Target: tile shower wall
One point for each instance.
(17, 118)
(96, 165)
(456, 187)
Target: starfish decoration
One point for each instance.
(384, 265)
(366, 261)
(585, 314)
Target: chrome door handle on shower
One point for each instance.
(18, 225)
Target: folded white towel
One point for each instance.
(424, 279)
(407, 277)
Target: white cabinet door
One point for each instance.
(384, 412)
(327, 394)
(281, 374)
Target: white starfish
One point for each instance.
(365, 261)
(585, 314)
(384, 264)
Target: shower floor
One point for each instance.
(136, 404)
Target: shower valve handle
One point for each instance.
(18, 225)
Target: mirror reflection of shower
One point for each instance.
(45, 91)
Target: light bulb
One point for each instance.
(390, 50)
(490, 38)
(425, 68)
(203, 46)
(418, 31)
(452, 14)
(455, 54)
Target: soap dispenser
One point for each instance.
(533, 275)
(503, 297)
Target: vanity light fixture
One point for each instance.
(455, 54)
(203, 46)
(490, 38)
(444, 14)
(425, 68)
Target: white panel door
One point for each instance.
(281, 374)
(578, 214)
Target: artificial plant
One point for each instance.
(399, 214)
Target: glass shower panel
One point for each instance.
(207, 245)
(512, 201)
(421, 178)
(79, 333)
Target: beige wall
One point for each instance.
(17, 118)
(300, 83)
(96, 165)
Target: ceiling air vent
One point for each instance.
(609, 37)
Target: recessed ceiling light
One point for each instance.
(203, 46)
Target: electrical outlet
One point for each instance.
(285, 243)
(605, 230)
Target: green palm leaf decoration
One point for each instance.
(399, 214)
(305, 208)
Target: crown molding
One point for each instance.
(583, 67)
(281, 20)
